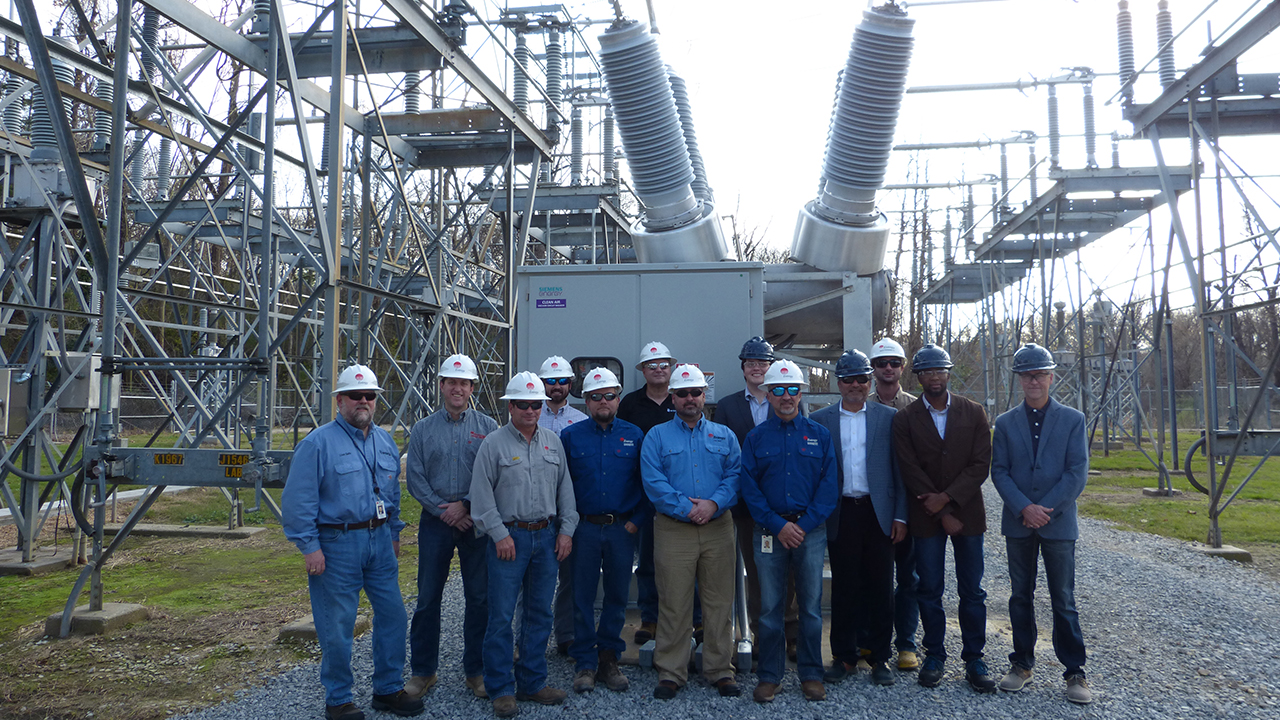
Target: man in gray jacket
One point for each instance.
(1039, 464)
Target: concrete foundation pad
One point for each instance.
(1227, 552)
(188, 531)
(1157, 492)
(42, 561)
(97, 622)
(304, 628)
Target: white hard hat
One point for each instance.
(785, 372)
(598, 379)
(356, 377)
(654, 351)
(459, 366)
(525, 386)
(555, 367)
(887, 347)
(687, 376)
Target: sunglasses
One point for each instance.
(780, 390)
(756, 364)
(557, 381)
(859, 379)
(884, 363)
(657, 365)
(366, 396)
(527, 404)
(686, 392)
(597, 397)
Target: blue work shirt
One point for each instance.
(789, 468)
(605, 468)
(331, 482)
(678, 463)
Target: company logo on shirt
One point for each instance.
(476, 435)
(627, 443)
(811, 441)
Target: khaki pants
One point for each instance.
(682, 553)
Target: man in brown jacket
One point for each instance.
(944, 453)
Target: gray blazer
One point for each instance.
(888, 496)
(1054, 478)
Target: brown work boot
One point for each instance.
(813, 690)
(609, 673)
(475, 683)
(345, 711)
(647, 632)
(420, 685)
(505, 706)
(584, 681)
(765, 692)
(546, 696)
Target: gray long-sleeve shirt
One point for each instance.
(441, 454)
(514, 479)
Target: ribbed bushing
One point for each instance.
(701, 188)
(150, 39)
(575, 146)
(13, 111)
(324, 145)
(871, 90)
(44, 142)
(412, 98)
(831, 124)
(164, 167)
(520, 74)
(262, 15)
(1164, 44)
(1124, 43)
(1055, 133)
(555, 75)
(652, 136)
(1090, 129)
(607, 149)
(102, 123)
(138, 166)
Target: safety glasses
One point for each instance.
(780, 390)
(887, 362)
(366, 396)
(859, 379)
(557, 381)
(527, 404)
(687, 392)
(597, 397)
(657, 365)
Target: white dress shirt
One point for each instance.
(759, 408)
(939, 416)
(853, 447)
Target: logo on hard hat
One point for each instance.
(359, 376)
(783, 371)
(457, 363)
(555, 365)
(529, 386)
(653, 349)
(597, 376)
(684, 374)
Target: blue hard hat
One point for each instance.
(1032, 357)
(851, 363)
(756, 349)
(931, 357)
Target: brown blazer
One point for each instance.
(957, 465)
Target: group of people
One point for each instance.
(557, 502)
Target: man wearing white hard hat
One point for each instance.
(888, 361)
(522, 499)
(441, 453)
(558, 414)
(646, 407)
(788, 482)
(604, 462)
(690, 467)
(341, 507)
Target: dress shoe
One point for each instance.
(932, 672)
(838, 671)
(399, 702)
(727, 687)
(881, 674)
(975, 671)
(665, 689)
(345, 711)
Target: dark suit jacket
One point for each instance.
(957, 465)
(888, 496)
(1054, 478)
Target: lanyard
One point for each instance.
(359, 449)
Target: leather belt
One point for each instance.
(606, 519)
(535, 525)
(857, 499)
(369, 524)
(793, 517)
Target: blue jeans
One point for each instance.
(805, 562)
(534, 572)
(1060, 572)
(355, 559)
(931, 566)
(436, 542)
(597, 548)
(906, 610)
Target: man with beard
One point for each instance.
(604, 462)
(341, 507)
(646, 407)
(944, 454)
(522, 498)
(442, 450)
(558, 414)
(690, 470)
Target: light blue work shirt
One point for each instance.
(331, 482)
(678, 463)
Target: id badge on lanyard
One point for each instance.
(381, 509)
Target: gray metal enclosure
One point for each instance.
(701, 311)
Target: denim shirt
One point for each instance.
(678, 463)
(331, 482)
(441, 454)
(789, 468)
(605, 467)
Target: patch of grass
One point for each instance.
(1185, 517)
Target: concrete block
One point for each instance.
(304, 628)
(97, 622)
(1227, 552)
(646, 653)
(42, 561)
(187, 531)
(1157, 492)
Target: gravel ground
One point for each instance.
(1171, 634)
